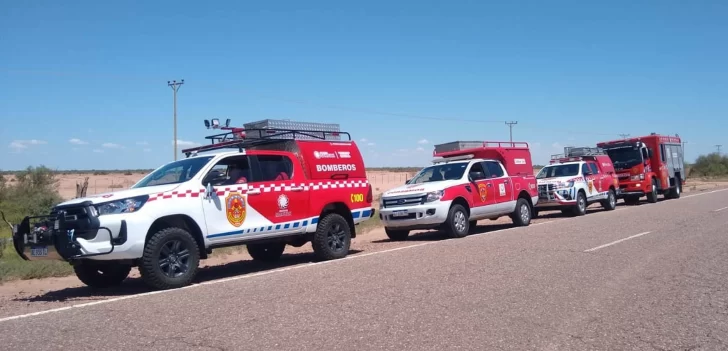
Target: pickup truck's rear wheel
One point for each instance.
(457, 224)
(610, 203)
(332, 238)
(396, 235)
(522, 214)
(100, 274)
(267, 252)
(170, 260)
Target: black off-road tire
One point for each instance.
(676, 191)
(457, 224)
(522, 214)
(652, 195)
(268, 252)
(332, 238)
(610, 203)
(578, 209)
(186, 257)
(397, 235)
(100, 274)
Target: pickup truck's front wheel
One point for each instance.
(171, 259)
(101, 274)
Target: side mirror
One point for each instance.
(406, 181)
(209, 191)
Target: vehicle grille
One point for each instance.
(546, 191)
(404, 201)
(79, 218)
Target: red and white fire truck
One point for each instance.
(469, 181)
(271, 184)
(647, 166)
(579, 177)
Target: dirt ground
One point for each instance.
(27, 296)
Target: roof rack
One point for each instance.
(241, 138)
(572, 154)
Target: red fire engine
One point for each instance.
(648, 166)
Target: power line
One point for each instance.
(175, 86)
(510, 127)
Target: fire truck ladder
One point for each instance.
(233, 140)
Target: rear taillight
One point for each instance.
(370, 196)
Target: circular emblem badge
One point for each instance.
(283, 202)
(235, 208)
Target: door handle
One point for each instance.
(297, 188)
(505, 182)
(489, 185)
(253, 191)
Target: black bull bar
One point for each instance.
(54, 236)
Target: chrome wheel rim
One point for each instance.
(525, 215)
(459, 221)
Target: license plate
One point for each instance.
(399, 214)
(39, 251)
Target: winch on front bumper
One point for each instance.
(53, 237)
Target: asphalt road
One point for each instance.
(639, 278)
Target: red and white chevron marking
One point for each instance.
(265, 188)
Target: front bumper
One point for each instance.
(73, 233)
(633, 188)
(422, 216)
(551, 196)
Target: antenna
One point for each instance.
(510, 126)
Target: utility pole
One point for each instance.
(624, 136)
(718, 148)
(175, 85)
(510, 127)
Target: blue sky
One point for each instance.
(84, 85)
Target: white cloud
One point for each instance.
(147, 150)
(363, 140)
(371, 144)
(402, 150)
(142, 143)
(23, 144)
(112, 146)
(423, 141)
(420, 149)
(76, 141)
(17, 145)
(98, 151)
(185, 143)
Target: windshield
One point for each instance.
(625, 157)
(568, 170)
(436, 173)
(175, 172)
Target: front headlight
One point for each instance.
(638, 177)
(435, 195)
(127, 205)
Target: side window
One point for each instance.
(230, 170)
(275, 167)
(494, 169)
(477, 168)
(662, 152)
(585, 169)
(594, 168)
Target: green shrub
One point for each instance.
(710, 165)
